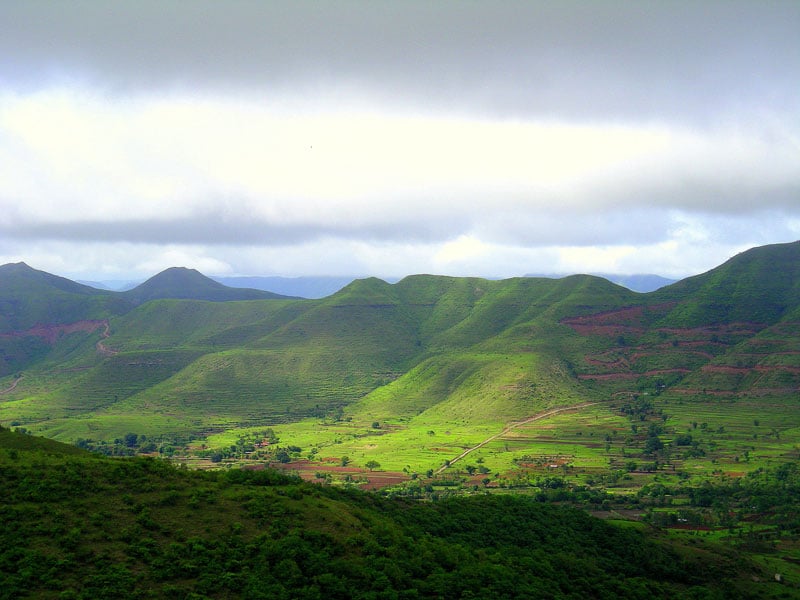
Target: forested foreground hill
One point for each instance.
(75, 525)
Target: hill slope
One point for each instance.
(81, 526)
(29, 297)
(470, 350)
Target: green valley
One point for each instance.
(406, 375)
(674, 409)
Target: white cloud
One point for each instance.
(87, 157)
(484, 138)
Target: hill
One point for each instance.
(82, 526)
(466, 356)
(50, 320)
(189, 284)
(29, 297)
(761, 285)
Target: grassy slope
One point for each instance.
(455, 353)
(761, 285)
(29, 297)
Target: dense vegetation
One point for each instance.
(76, 525)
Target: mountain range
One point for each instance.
(183, 353)
(321, 286)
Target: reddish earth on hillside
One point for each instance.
(50, 333)
(370, 480)
(659, 352)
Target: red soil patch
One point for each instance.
(50, 333)
(371, 480)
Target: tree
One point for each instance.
(372, 465)
(652, 444)
(345, 460)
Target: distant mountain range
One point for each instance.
(177, 349)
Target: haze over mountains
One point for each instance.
(194, 355)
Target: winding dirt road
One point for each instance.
(11, 388)
(536, 417)
(101, 346)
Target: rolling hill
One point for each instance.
(184, 355)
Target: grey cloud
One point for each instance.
(220, 230)
(562, 58)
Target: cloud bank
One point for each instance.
(391, 138)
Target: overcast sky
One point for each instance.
(390, 138)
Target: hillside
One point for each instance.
(733, 330)
(29, 298)
(81, 526)
(52, 322)
(466, 356)
(761, 286)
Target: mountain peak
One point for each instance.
(190, 284)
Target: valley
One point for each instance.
(675, 409)
(406, 375)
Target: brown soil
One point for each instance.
(50, 333)
(371, 480)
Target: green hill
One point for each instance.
(760, 286)
(29, 298)
(189, 284)
(76, 525)
(465, 351)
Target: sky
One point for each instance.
(388, 138)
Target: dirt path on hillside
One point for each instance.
(12, 387)
(541, 415)
(101, 347)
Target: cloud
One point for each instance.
(219, 171)
(486, 137)
(565, 58)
